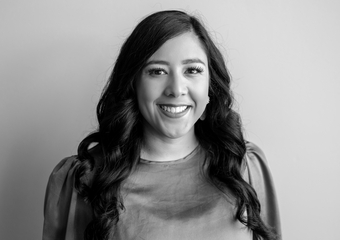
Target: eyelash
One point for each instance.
(198, 69)
(153, 71)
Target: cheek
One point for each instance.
(200, 96)
(143, 94)
(148, 90)
(146, 96)
(202, 92)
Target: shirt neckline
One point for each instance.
(180, 160)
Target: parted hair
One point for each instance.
(119, 135)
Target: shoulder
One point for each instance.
(64, 172)
(257, 169)
(255, 153)
(256, 163)
(62, 178)
(66, 164)
(64, 168)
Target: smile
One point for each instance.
(171, 109)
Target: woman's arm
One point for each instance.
(258, 174)
(66, 215)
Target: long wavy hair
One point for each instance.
(119, 136)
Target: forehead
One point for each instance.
(184, 46)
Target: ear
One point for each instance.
(203, 116)
(204, 113)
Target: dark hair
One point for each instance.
(119, 135)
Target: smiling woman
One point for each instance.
(169, 160)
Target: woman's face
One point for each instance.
(173, 88)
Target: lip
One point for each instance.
(174, 115)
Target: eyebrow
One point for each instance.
(193, 60)
(186, 61)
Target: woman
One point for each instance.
(169, 160)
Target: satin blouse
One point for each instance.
(163, 200)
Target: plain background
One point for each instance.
(284, 57)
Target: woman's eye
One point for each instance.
(156, 71)
(194, 70)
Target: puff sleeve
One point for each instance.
(66, 215)
(258, 174)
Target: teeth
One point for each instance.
(174, 109)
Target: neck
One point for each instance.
(167, 149)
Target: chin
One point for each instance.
(177, 134)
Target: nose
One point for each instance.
(176, 85)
